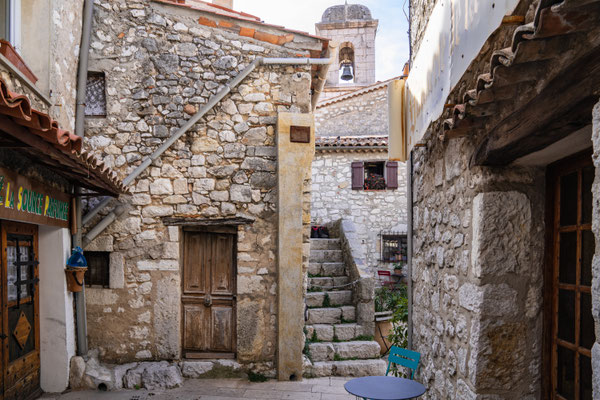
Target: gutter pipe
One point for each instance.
(84, 52)
(214, 100)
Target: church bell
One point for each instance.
(347, 72)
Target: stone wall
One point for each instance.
(160, 67)
(420, 11)
(355, 116)
(477, 275)
(371, 211)
(596, 259)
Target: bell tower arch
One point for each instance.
(353, 27)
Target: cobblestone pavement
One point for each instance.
(225, 389)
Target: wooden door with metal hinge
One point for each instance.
(20, 336)
(568, 303)
(208, 294)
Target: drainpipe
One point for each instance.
(84, 50)
(214, 100)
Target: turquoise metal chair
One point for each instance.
(406, 358)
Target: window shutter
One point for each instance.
(391, 169)
(358, 175)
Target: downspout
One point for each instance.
(84, 50)
(94, 232)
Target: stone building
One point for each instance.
(210, 205)
(353, 28)
(42, 162)
(351, 149)
(504, 216)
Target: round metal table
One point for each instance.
(384, 388)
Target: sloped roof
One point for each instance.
(561, 34)
(345, 143)
(37, 134)
(358, 92)
(220, 11)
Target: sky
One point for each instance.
(391, 43)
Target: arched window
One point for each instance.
(346, 59)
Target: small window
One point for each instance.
(95, 95)
(97, 273)
(374, 175)
(394, 248)
(10, 22)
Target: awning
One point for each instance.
(38, 137)
(538, 90)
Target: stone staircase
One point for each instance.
(336, 345)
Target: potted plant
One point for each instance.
(398, 267)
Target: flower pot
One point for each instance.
(75, 277)
(9, 52)
(382, 331)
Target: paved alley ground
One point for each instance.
(225, 389)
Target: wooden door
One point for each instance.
(208, 295)
(20, 311)
(572, 248)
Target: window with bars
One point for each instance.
(97, 274)
(95, 95)
(394, 248)
(374, 175)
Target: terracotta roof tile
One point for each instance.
(69, 156)
(226, 12)
(336, 142)
(516, 69)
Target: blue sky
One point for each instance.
(392, 37)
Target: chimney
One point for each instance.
(224, 3)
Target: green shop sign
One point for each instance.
(26, 200)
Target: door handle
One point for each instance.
(207, 300)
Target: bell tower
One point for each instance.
(354, 29)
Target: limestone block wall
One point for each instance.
(65, 38)
(360, 115)
(160, 66)
(596, 259)
(477, 275)
(420, 11)
(371, 211)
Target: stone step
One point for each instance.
(320, 256)
(331, 315)
(345, 368)
(327, 269)
(328, 282)
(336, 298)
(327, 333)
(338, 351)
(325, 244)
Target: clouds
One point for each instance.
(391, 49)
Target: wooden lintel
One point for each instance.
(199, 221)
(561, 107)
